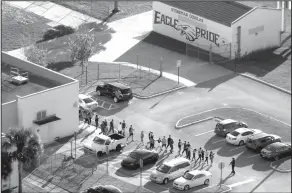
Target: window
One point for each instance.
(41, 115)
(88, 100)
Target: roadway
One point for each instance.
(161, 113)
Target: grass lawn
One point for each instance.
(102, 9)
(254, 120)
(20, 28)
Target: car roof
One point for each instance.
(143, 151)
(242, 130)
(119, 85)
(83, 96)
(227, 121)
(196, 172)
(176, 161)
(261, 135)
(278, 145)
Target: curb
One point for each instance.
(195, 122)
(159, 94)
(266, 83)
(228, 190)
(279, 170)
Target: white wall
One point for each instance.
(265, 21)
(9, 116)
(59, 101)
(195, 22)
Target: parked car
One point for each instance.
(87, 102)
(228, 125)
(116, 90)
(261, 140)
(171, 170)
(102, 189)
(277, 151)
(99, 143)
(192, 179)
(240, 135)
(132, 161)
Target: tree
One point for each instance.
(36, 55)
(28, 148)
(81, 48)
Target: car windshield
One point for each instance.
(188, 176)
(88, 100)
(135, 155)
(163, 169)
(235, 133)
(99, 140)
(126, 91)
(219, 126)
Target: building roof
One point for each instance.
(10, 90)
(223, 12)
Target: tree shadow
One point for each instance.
(249, 157)
(258, 63)
(215, 142)
(215, 82)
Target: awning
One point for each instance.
(48, 119)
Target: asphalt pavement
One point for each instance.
(160, 114)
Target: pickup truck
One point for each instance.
(99, 143)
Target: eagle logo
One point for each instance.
(186, 30)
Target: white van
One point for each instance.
(171, 170)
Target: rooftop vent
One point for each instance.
(18, 77)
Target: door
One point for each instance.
(174, 172)
(238, 41)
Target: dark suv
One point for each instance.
(259, 141)
(227, 126)
(116, 90)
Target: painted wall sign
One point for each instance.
(180, 12)
(190, 33)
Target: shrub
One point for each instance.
(58, 31)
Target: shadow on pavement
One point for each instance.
(215, 142)
(229, 150)
(216, 81)
(124, 172)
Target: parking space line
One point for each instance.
(219, 141)
(253, 156)
(237, 148)
(203, 133)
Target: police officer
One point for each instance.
(232, 163)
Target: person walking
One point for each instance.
(185, 148)
(179, 146)
(189, 151)
(202, 155)
(150, 134)
(131, 133)
(142, 137)
(96, 120)
(159, 144)
(102, 128)
(164, 143)
(206, 157)
(120, 130)
(151, 142)
(171, 144)
(232, 163)
(105, 122)
(124, 127)
(194, 155)
(168, 141)
(111, 126)
(211, 157)
(199, 154)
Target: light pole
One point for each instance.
(86, 64)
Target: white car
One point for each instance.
(170, 170)
(240, 135)
(192, 179)
(86, 102)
